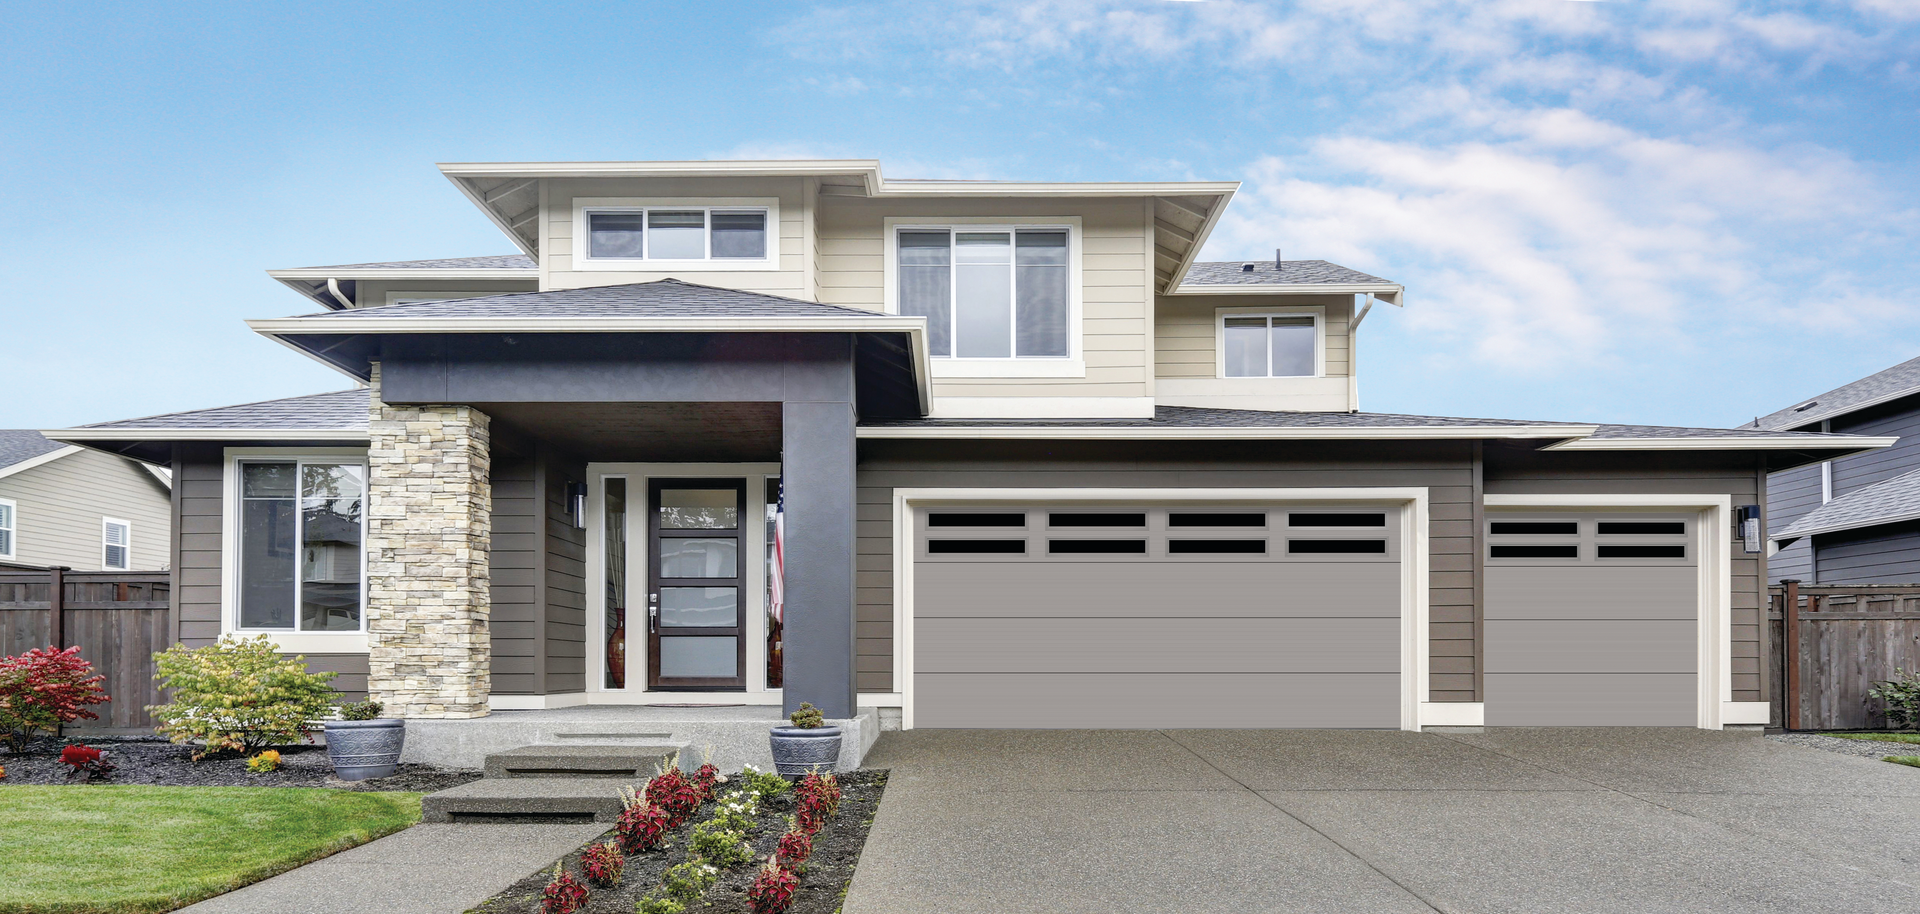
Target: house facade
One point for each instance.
(966, 454)
(78, 508)
(1851, 519)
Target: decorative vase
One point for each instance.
(617, 651)
(798, 750)
(361, 749)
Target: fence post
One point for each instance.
(56, 605)
(1790, 636)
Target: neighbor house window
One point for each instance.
(1269, 345)
(116, 544)
(676, 233)
(300, 531)
(6, 529)
(988, 292)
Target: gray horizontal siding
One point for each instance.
(1887, 554)
(515, 565)
(1853, 473)
(60, 507)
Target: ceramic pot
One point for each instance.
(798, 750)
(361, 749)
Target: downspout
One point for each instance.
(1353, 356)
(333, 288)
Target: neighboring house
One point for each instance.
(61, 504)
(1851, 519)
(1036, 467)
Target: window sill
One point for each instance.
(311, 642)
(584, 265)
(1008, 368)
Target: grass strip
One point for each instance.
(1913, 760)
(1909, 738)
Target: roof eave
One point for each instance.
(480, 200)
(1849, 409)
(1850, 443)
(91, 435)
(512, 274)
(38, 459)
(1392, 293)
(1792, 534)
(1225, 191)
(1377, 433)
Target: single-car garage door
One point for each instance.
(1156, 616)
(1592, 620)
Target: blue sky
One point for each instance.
(1682, 213)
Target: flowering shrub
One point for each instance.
(641, 825)
(671, 791)
(602, 864)
(563, 894)
(765, 784)
(44, 688)
(655, 904)
(238, 695)
(264, 762)
(719, 845)
(85, 760)
(794, 848)
(688, 881)
(772, 891)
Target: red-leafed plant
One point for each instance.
(673, 792)
(772, 890)
(563, 894)
(602, 864)
(44, 688)
(85, 760)
(794, 848)
(641, 825)
(809, 819)
(707, 778)
(819, 796)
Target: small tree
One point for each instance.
(238, 695)
(43, 689)
(1901, 694)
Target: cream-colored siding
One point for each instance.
(60, 506)
(370, 293)
(1114, 272)
(793, 278)
(1186, 355)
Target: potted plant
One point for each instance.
(808, 744)
(362, 744)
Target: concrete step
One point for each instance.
(626, 763)
(553, 799)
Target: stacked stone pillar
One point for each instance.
(429, 511)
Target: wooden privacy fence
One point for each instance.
(117, 618)
(1831, 642)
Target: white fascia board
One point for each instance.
(41, 460)
(303, 326)
(1391, 293)
(868, 169)
(1127, 434)
(1753, 442)
(514, 274)
(207, 434)
(164, 474)
(1223, 189)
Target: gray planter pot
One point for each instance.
(361, 749)
(798, 750)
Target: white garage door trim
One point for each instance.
(1413, 565)
(1716, 704)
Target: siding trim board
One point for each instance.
(1413, 661)
(1714, 644)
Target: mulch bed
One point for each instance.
(836, 850)
(153, 761)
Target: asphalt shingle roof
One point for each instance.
(18, 444)
(493, 262)
(660, 298)
(1896, 499)
(1898, 381)
(1233, 273)
(341, 409)
(1203, 417)
(1665, 431)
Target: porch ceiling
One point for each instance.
(719, 432)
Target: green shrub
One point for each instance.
(808, 717)
(238, 695)
(688, 881)
(765, 784)
(721, 846)
(653, 904)
(361, 710)
(1901, 694)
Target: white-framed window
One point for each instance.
(8, 525)
(1270, 343)
(298, 524)
(680, 234)
(116, 544)
(989, 291)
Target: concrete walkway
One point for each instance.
(1382, 822)
(427, 869)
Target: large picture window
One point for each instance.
(988, 292)
(300, 530)
(676, 234)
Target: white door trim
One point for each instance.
(1413, 561)
(1716, 581)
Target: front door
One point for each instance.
(696, 618)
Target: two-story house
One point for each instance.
(953, 453)
(1851, 519)
(77, 508)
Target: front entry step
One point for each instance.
(625, 763)
(537, 799)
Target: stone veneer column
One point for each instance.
(429, 511)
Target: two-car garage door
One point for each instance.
(1157, 616)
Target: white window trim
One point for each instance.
(107, 523)
(1074, 365)
(584, 206)
(286, 640)
(13, 519)
(1317, 312)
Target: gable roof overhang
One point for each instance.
(1890, 501)
(334, 288)
(1184, 212)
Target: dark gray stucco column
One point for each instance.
(817, 476)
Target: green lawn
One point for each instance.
(1913, 760)
(81, 849)
(1913, 738)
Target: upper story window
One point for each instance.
(116, 544)
(6, 529)
(1272, 345)
(675, 235)
(989, 292)
(300, 545)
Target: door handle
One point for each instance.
(653, 613)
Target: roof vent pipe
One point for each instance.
(1277, 262)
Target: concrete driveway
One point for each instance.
(1381, 822)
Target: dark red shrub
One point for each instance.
(85, 760)
(821, 790)
(671, 791)
(809, 818)
(706, 779)
(794, 848)
(44, 688)
(772, 891)
(602, 864)
(640, 827)
(564, 894)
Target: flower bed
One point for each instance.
(157, 762)
(834, 851)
